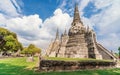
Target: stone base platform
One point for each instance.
(58, 65)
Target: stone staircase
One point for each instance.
(106, 51)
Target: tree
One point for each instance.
(11, 42)
(31, 50)
(2, 42)
(119, 52)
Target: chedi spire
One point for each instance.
(57, 34)
(76, 14)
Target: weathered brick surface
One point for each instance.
(54, 65)
(79, 42)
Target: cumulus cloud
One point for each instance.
(105, 23)
(69, 4)
(111, 41)
(31, 29)
(83, 4)
(59, 20)
(26, 26)
(10, 7)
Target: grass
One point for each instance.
(19, 66)
(76, 59)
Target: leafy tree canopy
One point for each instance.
(11, 42)
(119, 48)
(31, 50)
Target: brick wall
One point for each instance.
(54, 65)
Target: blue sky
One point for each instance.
(36, 21)
(44, 8)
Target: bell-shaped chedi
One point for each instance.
(80, 42)
(77, 46)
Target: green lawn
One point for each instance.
(19, 66)
(76, 59)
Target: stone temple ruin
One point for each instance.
(80, 42)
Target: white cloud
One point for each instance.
(107, 22)
(83, 4)
(2, 20)
(59, 20)
(102, 3)
(63, 4)
(16, 5)
(25, 26)
(69, 4)
(111, 41)
(7, 7)
(31, 29)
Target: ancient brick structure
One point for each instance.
(80, 42)
(57, 65)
